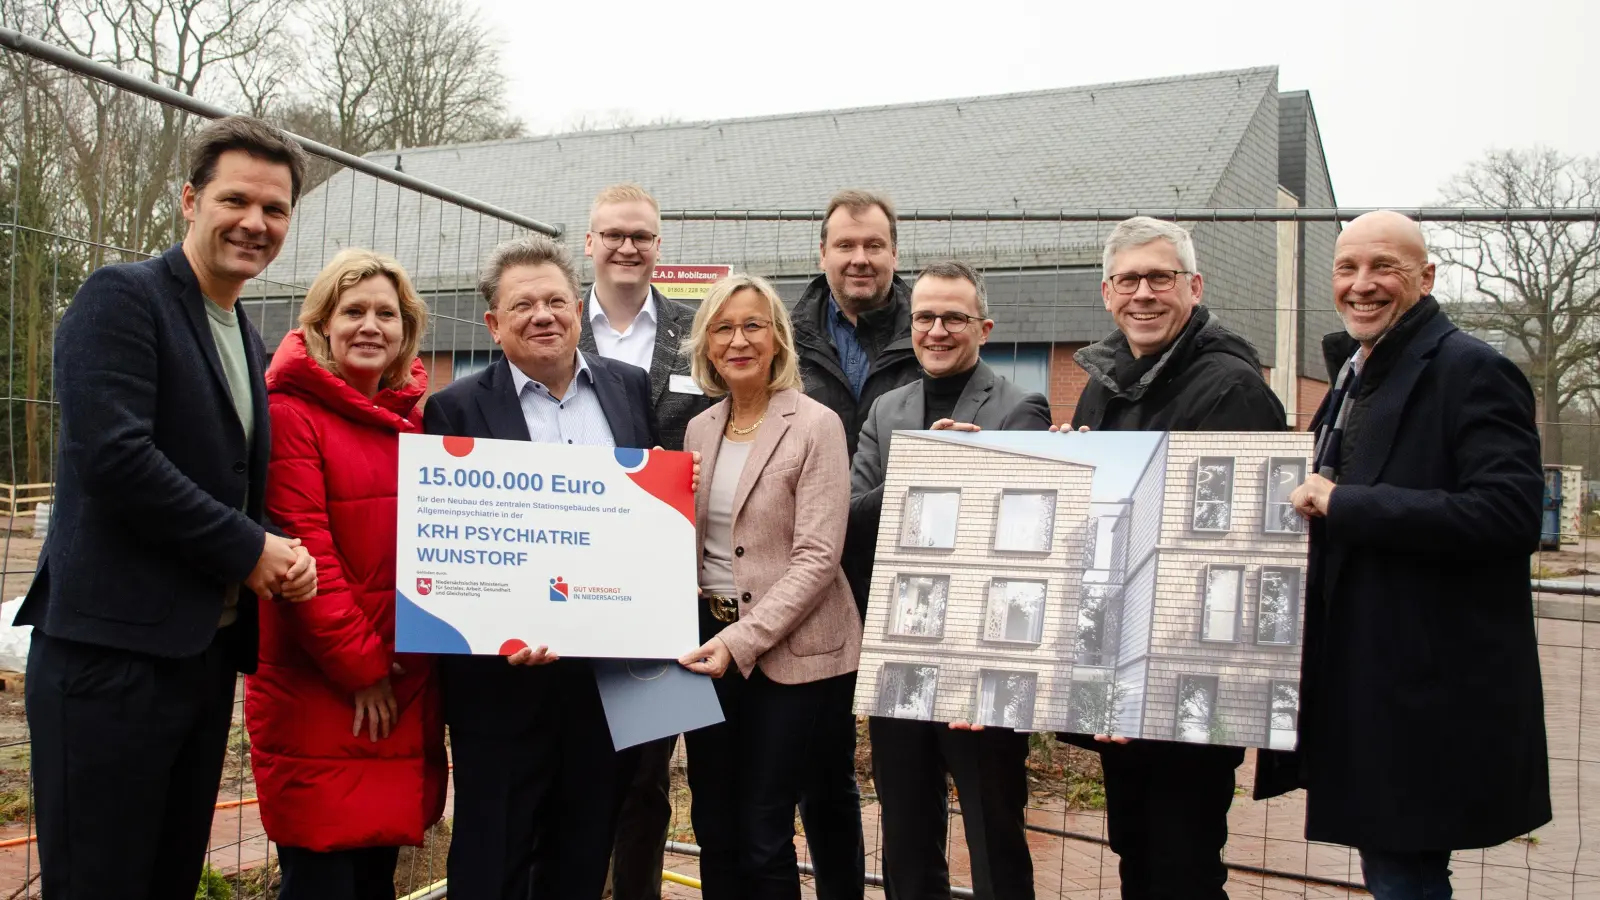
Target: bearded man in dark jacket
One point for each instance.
(1170, 366)
(1422, 711)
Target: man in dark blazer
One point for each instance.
(629, 321)
(1421, 709)
(144, 605)
(949, 323)
(537, 782)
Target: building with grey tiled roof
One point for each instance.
(1215, 140)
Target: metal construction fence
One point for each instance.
(1266, 276)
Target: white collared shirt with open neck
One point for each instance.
(635, 346)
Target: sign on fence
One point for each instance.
(687, 283)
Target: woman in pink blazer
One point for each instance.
(782, 634)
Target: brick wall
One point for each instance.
(441, 369)
(1311, 393)
(1067, 381)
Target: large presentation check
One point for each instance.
(509, 544)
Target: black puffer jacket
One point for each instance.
(1208, 380)
(884, 333)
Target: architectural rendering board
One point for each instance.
(1142, 584)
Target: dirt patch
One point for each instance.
(15, 752)
(1572, 560)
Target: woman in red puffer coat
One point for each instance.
(346, 736)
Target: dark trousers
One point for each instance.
(364, 874)
(127, 758)
(910, 760)
(830, 801)
(1167, 813)
(538, 785)
(642, 829)
(1407, 876)
(745, 776)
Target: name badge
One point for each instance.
(683, 384)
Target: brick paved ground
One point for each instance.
(1556, 863)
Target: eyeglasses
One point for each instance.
(1159, 280)
(642, 240)
(954, 322)
(522, 309)
(723, 331)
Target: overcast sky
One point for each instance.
(1406, 91)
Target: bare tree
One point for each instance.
(41, 269)
(406, 73)
(610, 119)
(125, 151)
(1534, 284)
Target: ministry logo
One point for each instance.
(558, 589)
(424, 586)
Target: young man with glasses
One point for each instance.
(630, 321)
(1169, 366)
(910, 759)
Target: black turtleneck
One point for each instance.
(939, 395)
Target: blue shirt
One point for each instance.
(573, 419)
(852, 358)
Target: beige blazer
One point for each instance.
(797, 619)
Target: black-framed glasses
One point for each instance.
(1158, 279)
(752, 328)
(642, 240)
(954, 322)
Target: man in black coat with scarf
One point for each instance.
(1422, 714)
(1170, 366)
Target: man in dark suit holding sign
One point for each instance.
(538, 783)
(957, 391)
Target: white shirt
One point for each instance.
(574, 419)
(637, 345)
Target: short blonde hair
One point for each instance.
(627, 192)
(346, 270)
(785, 362)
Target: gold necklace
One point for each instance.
(744, 431)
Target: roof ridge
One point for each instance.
(841, 111)
(1238, 143)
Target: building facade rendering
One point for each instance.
(1010, 589)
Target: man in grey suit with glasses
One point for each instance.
(910, 759)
